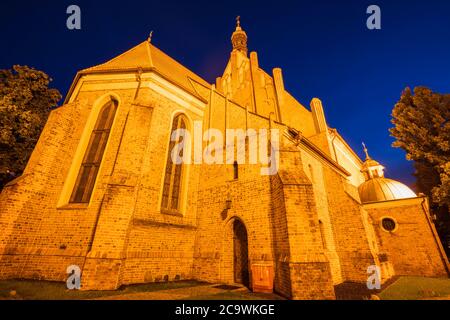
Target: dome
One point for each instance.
(382, 189)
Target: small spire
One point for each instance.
(371, 168)
(366, 152)
(239, 37)
(150, 37)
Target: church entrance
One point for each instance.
(240, 249)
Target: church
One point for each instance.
(101, 190)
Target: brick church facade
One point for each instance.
(100, 191)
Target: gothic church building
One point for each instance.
(100, 190)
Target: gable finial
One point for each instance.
(150, 37)
(366, 151)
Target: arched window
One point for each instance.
(93, 156)
(171, 198)
(235, 170)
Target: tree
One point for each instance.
(25, 103)
(422, 128)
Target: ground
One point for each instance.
(402, 288)
(47, 290)
(413, 288)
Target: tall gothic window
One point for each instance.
(174, 172)
(87, 175)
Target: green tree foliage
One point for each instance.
(25, 103)
(422, 128)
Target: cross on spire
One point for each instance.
(150, 36)
(366, 151)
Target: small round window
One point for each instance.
(388, 224)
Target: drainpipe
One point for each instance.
(94, 230)
(139, 80)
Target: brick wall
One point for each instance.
(413, 248)
(122, 237)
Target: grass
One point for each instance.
(413, 288)
(48, 290)
(237, 295)
(404, 288)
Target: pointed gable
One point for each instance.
(136, 57)
(148, 57)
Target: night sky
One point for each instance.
(323, 47)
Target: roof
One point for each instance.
(370, 163)
(382, 189)
(341, 138)
(148, 57)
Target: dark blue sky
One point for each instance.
(323, 47)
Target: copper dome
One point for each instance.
(382, 189)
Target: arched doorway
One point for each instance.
(240, 253)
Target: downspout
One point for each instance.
(92, 237)
(139, 80)
(94, 230)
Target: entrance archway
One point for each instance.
(240, 253)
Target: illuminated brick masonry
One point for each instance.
(100, 191)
